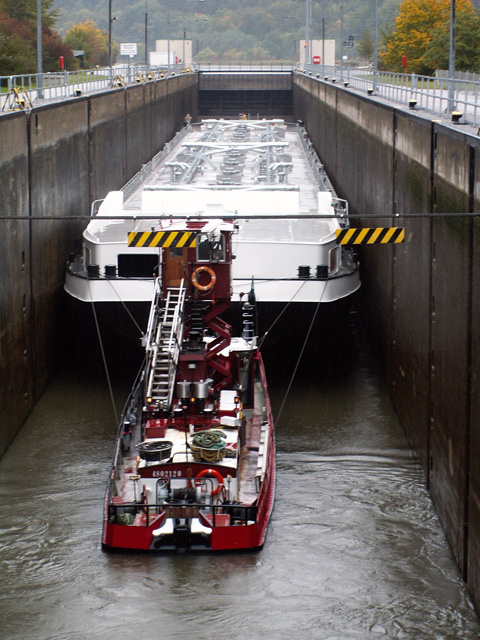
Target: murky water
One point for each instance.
(354, 550)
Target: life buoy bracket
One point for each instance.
(207, 287)
(211, 472)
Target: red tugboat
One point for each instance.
(194, 463)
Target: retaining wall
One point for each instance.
(420, 300)
(53, 163)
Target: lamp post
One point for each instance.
(39, 50)
(451, 57)
(308, 20)
(146, 34)
(323, 47)
(375, 50)
(341, 42)
(110, 39)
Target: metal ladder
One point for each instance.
(163, 348)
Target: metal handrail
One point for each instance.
(158, 508)
(432, 94)
(64, 84)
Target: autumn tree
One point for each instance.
(86, 36)
(421, 33)
(18, 38)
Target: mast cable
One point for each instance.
(262, 339)
(129, 313)
(105, 363)
(298, 360)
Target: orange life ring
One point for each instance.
(211, 472)
(211, 273)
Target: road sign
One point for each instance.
(316, 59)
(128, 48)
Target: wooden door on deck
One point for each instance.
(175, 266)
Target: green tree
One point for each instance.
(366, 46)
(421, 34)
(86, 36)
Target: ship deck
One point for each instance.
(245, 464)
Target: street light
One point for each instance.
(110, 38)
(110, 20)
(39, 50)
(451, 58)
(146, 35)
(375, 51)
(308, 19)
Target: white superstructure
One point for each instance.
(261, 174)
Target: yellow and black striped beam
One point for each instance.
(379, 235)
(162, 239)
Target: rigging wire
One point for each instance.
(299, 359)
(105, 363)
(262, 339)
(234, 216)
(129, 313)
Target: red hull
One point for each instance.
(230, 538)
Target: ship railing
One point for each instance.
(127, 422)
(139, 178)
(341, 210)
(95, 207)
(153, 315)
(241, 514)
(318, 169)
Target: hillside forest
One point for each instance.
(250, 31)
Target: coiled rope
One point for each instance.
(210, 445)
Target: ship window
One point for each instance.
(333, 260)
(139, 265)
(210, 249)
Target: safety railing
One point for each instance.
(239, 514)
(438, 95)
(65, 84)
(245, 67)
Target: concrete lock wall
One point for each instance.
(420, 300)
(16, 371)
(53, 164)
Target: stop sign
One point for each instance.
(316, 59)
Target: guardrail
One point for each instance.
(242, 67)
(458, 99)
(64, 84)
(60, 85)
